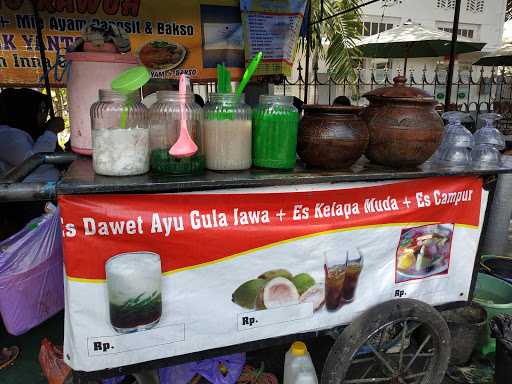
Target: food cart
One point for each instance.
(163, 269)
(223, 233)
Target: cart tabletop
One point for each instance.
(81, 179)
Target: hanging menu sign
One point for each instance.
(272, 27)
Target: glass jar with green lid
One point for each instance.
(275, 125)
(120, 135)
(165, 122)
(228, 132)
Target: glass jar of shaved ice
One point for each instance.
(120, 135)
(134, 284)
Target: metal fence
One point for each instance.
(476, 89)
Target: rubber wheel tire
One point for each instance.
(353, 336)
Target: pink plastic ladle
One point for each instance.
(184, 146)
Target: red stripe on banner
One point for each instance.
(192, 229)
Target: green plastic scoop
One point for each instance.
(127, 82)
(223, 79)
(248, 73)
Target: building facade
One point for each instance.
(481, 20)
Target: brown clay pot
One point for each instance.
(331, 137)
(405, 130)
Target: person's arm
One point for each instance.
(45, 143)
(48, 140)
(15, 147)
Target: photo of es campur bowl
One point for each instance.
(162, 55)
(423, 251)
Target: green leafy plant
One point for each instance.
(334, 40)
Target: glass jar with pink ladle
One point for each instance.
(166, 117)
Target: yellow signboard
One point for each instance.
(170, 37)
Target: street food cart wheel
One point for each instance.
(401, 341)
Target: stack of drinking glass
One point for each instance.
(461, 149)
(455, 149)
(488, 143)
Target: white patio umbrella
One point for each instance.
(414, 40)
(500, 57)
(503, 55)
(507, 32)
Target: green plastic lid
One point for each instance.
(131, 80)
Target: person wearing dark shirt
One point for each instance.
(24, 131)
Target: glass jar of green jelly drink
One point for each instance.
(228, 132)
(165, 122)
(275, 125)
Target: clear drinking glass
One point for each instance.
(165, 123)
(489, 134)
(335, 268)
(354, 268)
(485, 156)
(455, 134)
(134, 283)
(454, 157)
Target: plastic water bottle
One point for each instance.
(298, 367)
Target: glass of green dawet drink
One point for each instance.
(134, 283)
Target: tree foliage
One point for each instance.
(334, 40)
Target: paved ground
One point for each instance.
(26, 370)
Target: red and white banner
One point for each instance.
(153, 276)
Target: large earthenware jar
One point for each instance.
(331, 137)
(405, 129)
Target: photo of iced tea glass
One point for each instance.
(134, 283)
(354, 268)
(335, 267)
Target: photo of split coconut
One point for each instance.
(279, 288)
